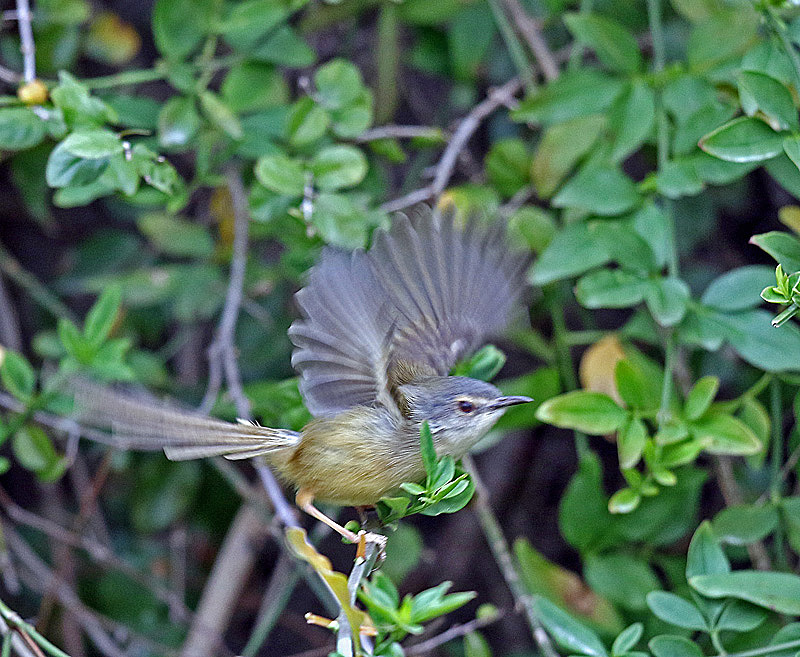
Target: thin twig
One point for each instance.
(530, 29)
(447, 162)
(417, 196)
(502, 555)
(27, 44)
(92, 623)
(9, 324)
(454, 632)
(96, 551)
(11, 267)
(466, 128)
(223, 588)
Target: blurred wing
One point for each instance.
(426, 293)
(342, 339)
(150, 425)
(451, 287)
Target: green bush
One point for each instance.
(632, 148)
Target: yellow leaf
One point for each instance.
(598, 364)
(789, 216)
(337, 582)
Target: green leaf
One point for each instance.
(507, 165)
(341, 222)
(339, 83)
(740, 616)
(65, 169)
(432, 603)
(531, 226)
(752, 335)
(700, 397)
(679, 178)
(782, 246)
(727, 32)
(284, 48)
(739, 288)
(281, 174)
(180, 25)
(636, 387)
(725, 434)
(176, 236)
(561, 147)
(675, 610)
(777, 591)
(349, 122)
(250, 23)
(746, 523)
(583, 410)
(178, 122)
(92, 144)
(573, 250)
(338, 167)
(476, 646)
(599, 189)
(705, 556)
(484, 364)
(614, 45)
(627, 639)
(582, 92)
(100, 318)
(17, 375)
(610, 288)
(583, 513)
(791, 146)
(33, 449)
(631, 119)
(624, 500)
(308, 122)
(428, 452)
(760, 92)
(253, 86)
(630, 442)
(667, 299)
(745, 139)
(220, 115)
(20, 128)
(622, 578)
(667, 645)
(567, 632)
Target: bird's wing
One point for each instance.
(427, 293)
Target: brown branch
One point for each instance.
(27, 44)
(505, 561)
(37, 575)
(530, 29)
(454, 632)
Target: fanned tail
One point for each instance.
(183, 435)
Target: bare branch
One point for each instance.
(454, 632)
(530, 29)
(466, 128)
(502, 555)
(27, 45)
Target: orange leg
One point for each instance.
(305, 499)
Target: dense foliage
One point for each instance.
(170, 172)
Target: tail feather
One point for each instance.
(183, 435)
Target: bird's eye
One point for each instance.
(465, 406)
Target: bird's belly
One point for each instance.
(338, 465)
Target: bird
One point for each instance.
(378, 334)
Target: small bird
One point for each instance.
(379, 333)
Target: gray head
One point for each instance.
(458, 409)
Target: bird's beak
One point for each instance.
(502, 402)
